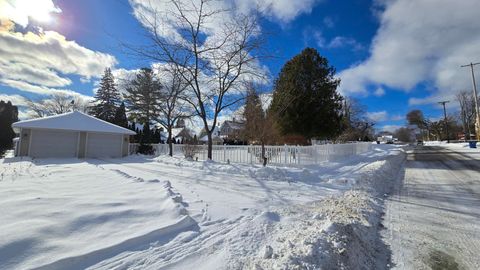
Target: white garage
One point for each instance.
(103, 145)
(44, 143)
(73, 134)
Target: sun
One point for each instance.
(35, 10)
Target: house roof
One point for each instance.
(234, 124)
(176, 132)
(75, 121)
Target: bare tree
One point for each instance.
(467, 111)
(173, 105)
(213, 50)
(356, 124)
(58, 103)
(403, 134)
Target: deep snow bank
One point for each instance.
(69, 214)
(336, 233)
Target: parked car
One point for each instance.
(419, 142)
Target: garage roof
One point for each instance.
(75, 121)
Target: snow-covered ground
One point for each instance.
(168, 213)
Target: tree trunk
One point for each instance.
(209, 145)
(263, 154)
(170, 144)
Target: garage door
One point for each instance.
(49, 143)
(104, 145)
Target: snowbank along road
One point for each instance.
(168, 213)
(433, 218)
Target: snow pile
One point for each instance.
(72, 215)
(337, 232)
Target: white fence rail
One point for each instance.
(278, 155)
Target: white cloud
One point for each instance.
(40, 58)
(390, 128)
(420, 41)
(379, 92)
(380, 116)
(37, 89)
(39, 61)
(22, 11)
(397, 117)
(334, 43)
(282, 10)
(16, 100)
(122, 77)
(341, 41)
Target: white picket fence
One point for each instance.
(278, 155)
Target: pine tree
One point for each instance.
(254, 116)
(143, 99)
(259, 127)
(120, 118)
(106, 98)
(8, 116)
(305, 98)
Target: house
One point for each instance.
(182, 135)
(72, 134)
(231, 130)
(216, 138)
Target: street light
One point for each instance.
(475, 97)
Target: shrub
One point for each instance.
(190, 150)
(146, 149)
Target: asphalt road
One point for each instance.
(433, 218)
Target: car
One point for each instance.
(419, 142)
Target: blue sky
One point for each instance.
(393, 56)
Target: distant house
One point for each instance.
(232, 130)
(72, 134)
(216, 138)
(182, 135)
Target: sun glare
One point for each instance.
(37, 10)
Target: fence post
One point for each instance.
(250, 153)
(224, 153)
(285, 152)
(298, 150)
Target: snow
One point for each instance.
(170, 213)
(60, 213)
(73, 121)
(432, 218)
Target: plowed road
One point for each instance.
(433, 218)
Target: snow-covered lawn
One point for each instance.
(168, 213)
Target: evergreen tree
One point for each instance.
(121, 116)
(305, 98)
(259, 127)
(106, 98)
(254, 116)
(143, 99)
(8, 116)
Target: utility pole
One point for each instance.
(445, 118)
(475, 97)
